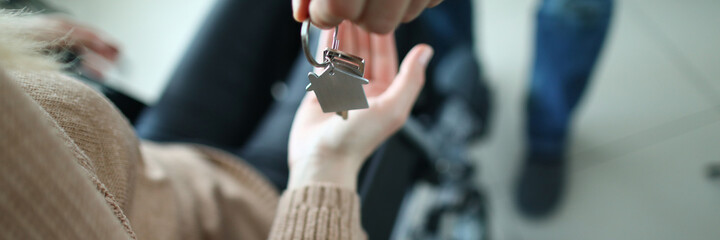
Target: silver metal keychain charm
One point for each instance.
(339, 87)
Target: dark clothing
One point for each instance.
(221, 89)
(220, 94)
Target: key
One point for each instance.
(339, 86)
(357, 66)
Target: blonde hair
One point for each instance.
(20, 49)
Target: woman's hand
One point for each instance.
(377, 16)
(97, 50)
(325, 148)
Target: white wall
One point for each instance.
(152, 34)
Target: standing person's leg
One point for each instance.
(221, 88)
(569, 37)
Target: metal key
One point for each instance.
(339, 86)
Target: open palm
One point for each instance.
(390, 95)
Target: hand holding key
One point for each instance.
(377, 16)
(339, 85)
(326, 148)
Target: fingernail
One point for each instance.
(296, 5)
(426, 56)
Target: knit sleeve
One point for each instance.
(44, 193)
(318, 211)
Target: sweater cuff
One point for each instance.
(318, 211)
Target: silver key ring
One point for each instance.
(306, 48)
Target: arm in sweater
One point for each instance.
(179, 192)
(185, 194)
(326, 151)
(45, 193)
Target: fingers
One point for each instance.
(93, 42)
(377, 16)
(383, 61)
(329, 13)
(434, 3)
(383, 16)
(66, 33)
(83, 38)
(347, 37)
(325, 41)
(300, 9)
(95, 66)
(349, 40)
(362, 39)
(403, 92)
(413, 11)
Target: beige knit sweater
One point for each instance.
(72, 168)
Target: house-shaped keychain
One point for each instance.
(338, 89)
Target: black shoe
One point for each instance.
(541, 184)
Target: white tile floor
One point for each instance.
(647, 129)
(649, 125)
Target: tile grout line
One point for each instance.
(648, 137)
(699, 82)
(631, 143)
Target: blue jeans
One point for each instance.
(568, 39)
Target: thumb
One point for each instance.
(404, 90)
(300, 9)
